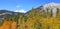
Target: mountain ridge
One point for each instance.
(42, 9)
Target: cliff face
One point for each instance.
(54, 7)
(51, 9)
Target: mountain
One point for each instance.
(50, 7)
(3, 13)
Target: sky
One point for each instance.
(23, 5)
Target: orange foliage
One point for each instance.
(0, 27)
(6, 25)
(13, 25)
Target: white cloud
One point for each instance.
(21, 11)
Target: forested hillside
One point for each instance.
(43, 17)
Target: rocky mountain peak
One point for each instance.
(53, 5)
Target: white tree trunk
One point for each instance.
(54, 10)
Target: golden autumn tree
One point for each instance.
(21, 22)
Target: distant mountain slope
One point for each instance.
(3, 13)
(50, 7)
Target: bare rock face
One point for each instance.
(52, 7)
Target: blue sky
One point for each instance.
(23, 5)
